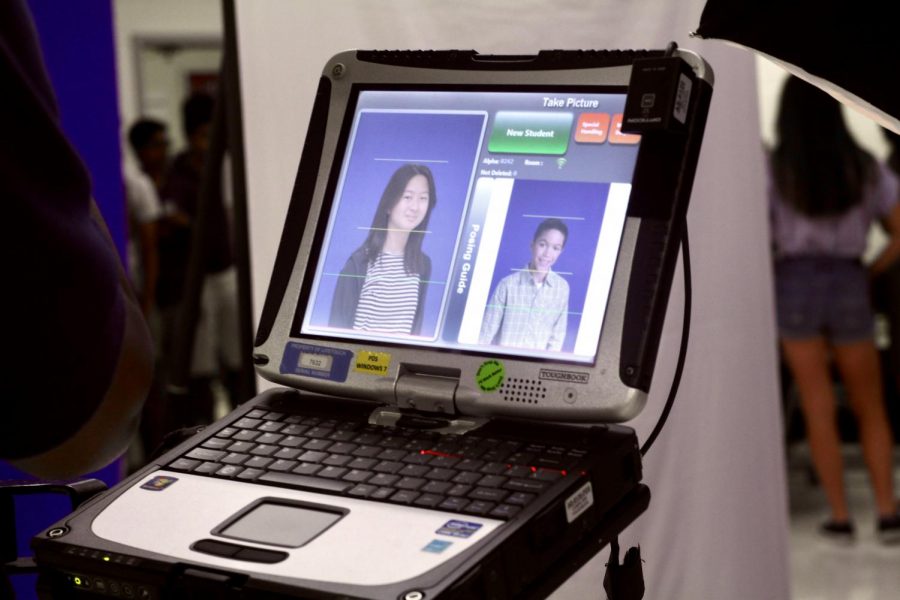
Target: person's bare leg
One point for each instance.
(808, 362)
(861, 371)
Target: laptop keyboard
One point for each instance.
(465, 474)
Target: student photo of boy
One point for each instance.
(529, 308)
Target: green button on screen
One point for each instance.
(530, 133)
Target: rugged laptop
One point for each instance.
(469, 291)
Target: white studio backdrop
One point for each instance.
(717, 526)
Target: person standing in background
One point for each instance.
(825, 192)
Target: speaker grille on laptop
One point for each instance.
(529, 391)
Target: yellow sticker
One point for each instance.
(372, 363)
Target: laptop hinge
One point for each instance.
(424, 398)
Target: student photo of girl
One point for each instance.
(382, 285)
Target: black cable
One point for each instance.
(682, 350)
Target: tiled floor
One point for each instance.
(823, 570)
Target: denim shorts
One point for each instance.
(823, 296)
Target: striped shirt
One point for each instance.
(525, 314)
(389, 297)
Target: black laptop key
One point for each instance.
(274, 416)
(319, 432)
(504, 511)
(269, 438)
(444, 462)
(313, 457)
(404, 496)
(368, 438)
(459, 490)
(416, 458)
(270, 426)
(292, 441)
(294, 429)
(242, 447)
(256, 413)
(247, 423)
(307, 469)
(208, 468)
(532, 486)
(336, 460)
(414, 470)
(287, 453)
(548, 475)
(341, 435)
(282, 465)
(383, 479)
(293, 419)
(249, 474)
(395, 442)
(388, 466)
(317, 444)
(332, 472)
(519, 472)
(304, 482)
(392, 454)
(454, 504)
(264, 450)
(439, 474)
(362, 490)
(245, 435)
(520, 498)
(491, 481)
(488, 494)
(357, 476)
(367, 451)
(469, 464)
(227, 432)
(382, 493)
(235, 458)
(479, 507)
(437, 487)
(229, 471)
(362, 463)
(467, 477)
(258, 462)
(493, 468)
(410, 483)
(205, 454)
(184, 464)
(342, 448)
(428, 500)
(216, 443)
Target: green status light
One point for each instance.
(105, 559)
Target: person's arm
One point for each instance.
(888, 200)
(891, 251)
(110, 428)
(346, 295)
(493, 314)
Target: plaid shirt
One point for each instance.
(524, 314)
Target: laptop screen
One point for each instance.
(474, 221)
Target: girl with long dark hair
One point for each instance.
(826, 191)
(382, 285)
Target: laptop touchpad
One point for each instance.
(280, 523)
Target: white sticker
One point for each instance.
(682, 98)
(579, 502)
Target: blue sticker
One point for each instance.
(437, 546)
(159, 483)
(460, 529)
(320, 362)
